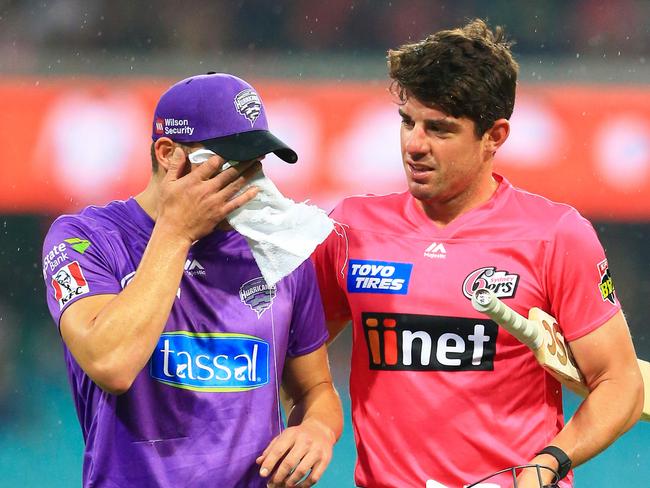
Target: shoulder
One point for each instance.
(361, 208)
(552, 217)
(92, 222)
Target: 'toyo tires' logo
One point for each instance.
(502, 283)
(378, 277)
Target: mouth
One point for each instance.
(419, 171)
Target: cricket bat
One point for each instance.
(541, 334)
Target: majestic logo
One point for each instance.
(409, 342)
(218, 362)
(127, 279)
(159, 126)
(502, 283)
(257, 295)
(378, 277)
(69, 282)
(79, 245)
(606, 285)
(248, 104)
(435, 251)
(194, 268)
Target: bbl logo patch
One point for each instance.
(69, 282)
(606, 285)
(502, 283)
(248, 104)
(257, 295)
(217, 362)
(378, 277)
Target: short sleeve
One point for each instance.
(578, 280)
(75, 265)
(308, 331)
(329, 260)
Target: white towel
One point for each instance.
(281, 233)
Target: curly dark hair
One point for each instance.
(465, 72)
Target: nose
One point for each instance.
(416, 141)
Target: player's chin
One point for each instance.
(420, 191)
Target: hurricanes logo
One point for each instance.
(606, 285)
(502, 283)
(257, 295)
(248, 104)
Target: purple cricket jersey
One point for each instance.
(206, 405)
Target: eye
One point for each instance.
(407, 122)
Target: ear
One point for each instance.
(166, 152)
(496, 135)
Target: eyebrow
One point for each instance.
(442, 123)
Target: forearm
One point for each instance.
(320, 404)
(122, 336)
(611, 408)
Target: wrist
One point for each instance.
(170, 235)
(559, 459)
(326, 429)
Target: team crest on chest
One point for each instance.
(257, 295)
(501, 282)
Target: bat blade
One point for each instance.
(541, 334)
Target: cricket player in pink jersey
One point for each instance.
(441, 396)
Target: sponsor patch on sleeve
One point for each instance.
(69, 282)
(606, 285)
(378, 277)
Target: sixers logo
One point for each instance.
(248, 104)
(502, 283)
(257, 295)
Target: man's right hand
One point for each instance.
(191, 205)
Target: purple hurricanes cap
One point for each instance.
(222, 112)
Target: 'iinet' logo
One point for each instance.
(411, 342)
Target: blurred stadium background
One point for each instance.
(80, 79)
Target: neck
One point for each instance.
(443, 211)
(148, 199)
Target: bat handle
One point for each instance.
(525, 330)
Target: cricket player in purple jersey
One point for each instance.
(175, 346)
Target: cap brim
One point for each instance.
(246, 146)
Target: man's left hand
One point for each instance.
(302, 451)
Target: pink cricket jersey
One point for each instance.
(438, 390)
